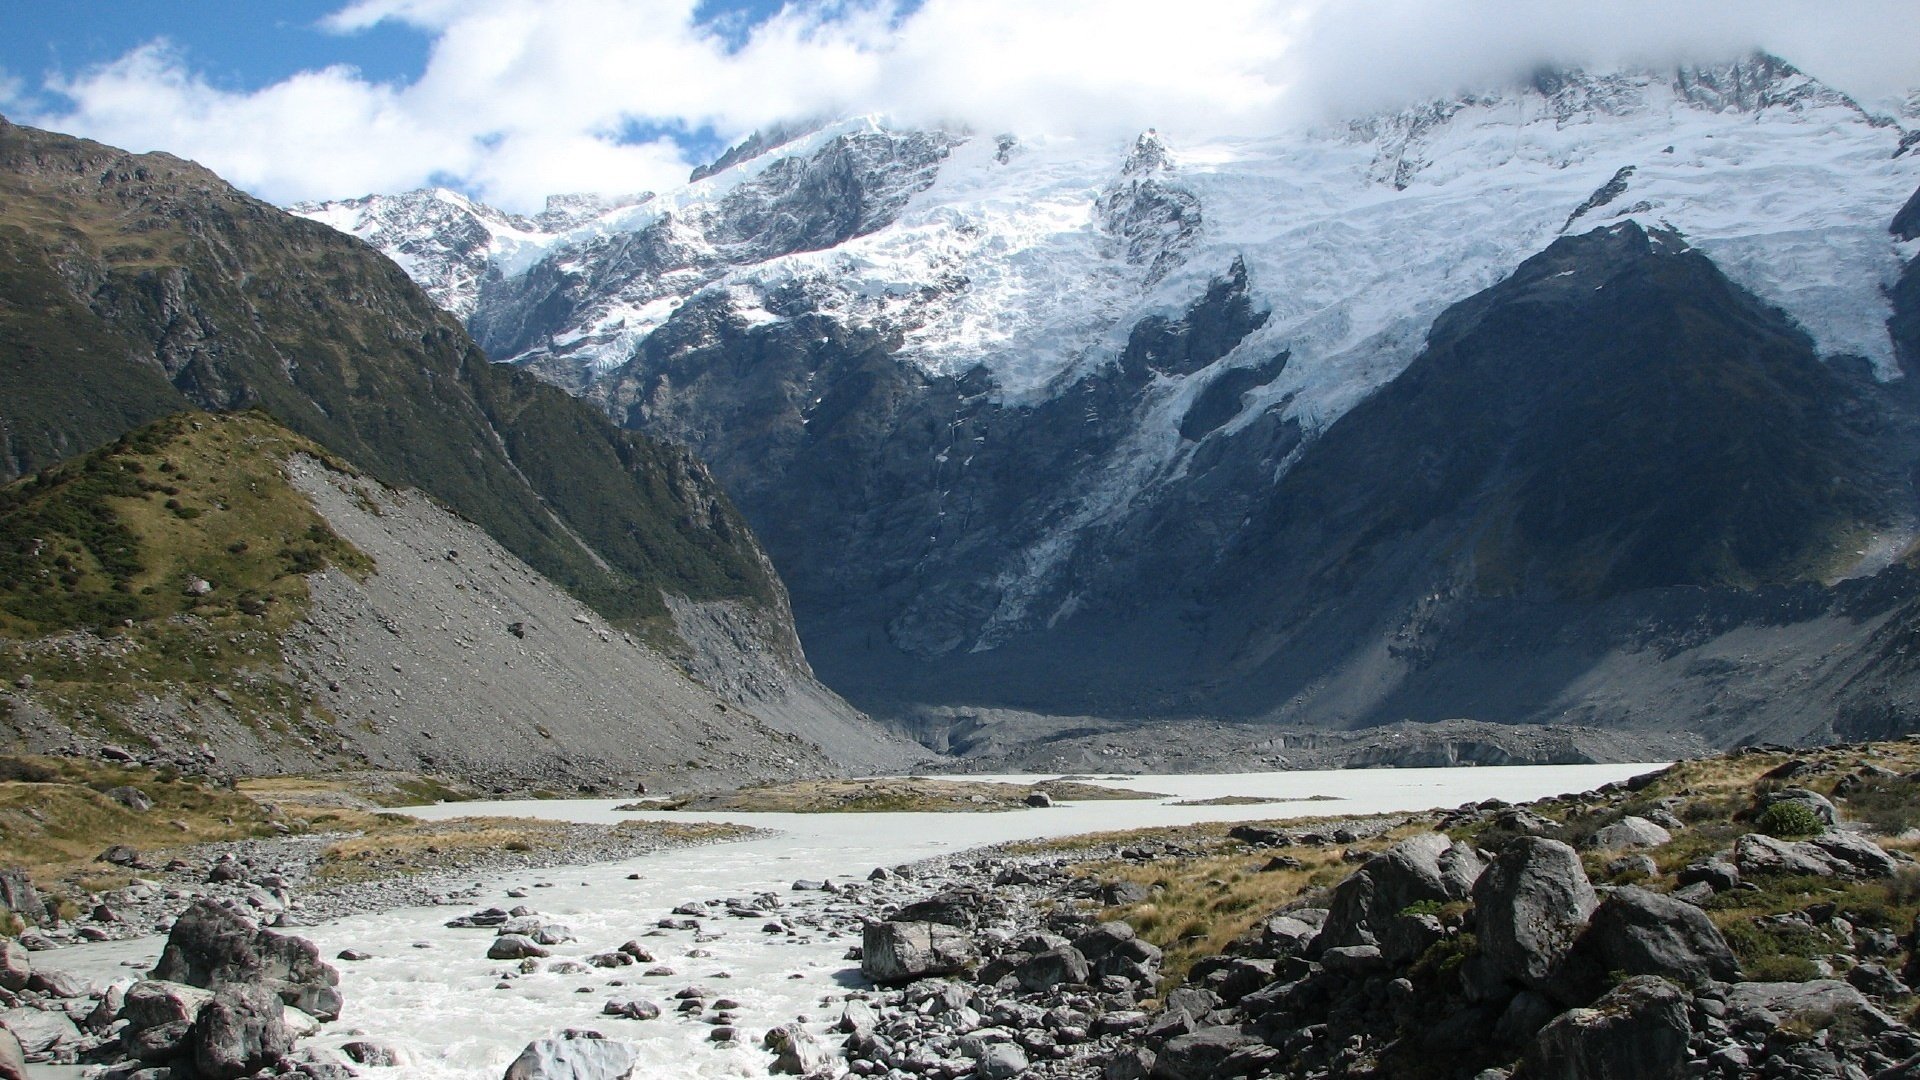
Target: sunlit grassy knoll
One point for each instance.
(55, 817)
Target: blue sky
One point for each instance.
(238, 44)
(511, 100)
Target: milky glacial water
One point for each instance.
(430, 989)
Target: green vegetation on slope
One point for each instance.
(165, 566)
(134, 286)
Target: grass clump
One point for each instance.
(1790, 821)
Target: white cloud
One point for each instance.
(524, 97)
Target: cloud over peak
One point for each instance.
(522, 98)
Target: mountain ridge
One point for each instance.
(141, 286)
(1010, 438)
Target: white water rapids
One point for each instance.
(430, 989)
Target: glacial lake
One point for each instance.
(432, 991)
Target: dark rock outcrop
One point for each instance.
(212, 947)
(1639, 1029)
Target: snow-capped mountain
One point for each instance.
(448, 243)
(971, 387)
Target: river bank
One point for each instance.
(431, 990)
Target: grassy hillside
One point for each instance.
(165, 567)
(133, 286)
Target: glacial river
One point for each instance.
(430, 990)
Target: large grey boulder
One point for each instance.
(160, 1019)
(39, 1032)
(1716, 873)
(1103, 939)
(211, 947)
(575, 1055)
(1762, 1007)
(1758, 853)
(897, 952)
(1530, 907)
(60, 984)
(1637, 1031)
(1199, 1055)
(151, 1001)
(1645, 933)
(1628, 834)
(515, 947)
(1831, 854)
(18, 895)
(1000, 1060)
(1052, 968)
(1428, 867)
(16, 966)
(1854, 855)
(240, 1032)
(13, 1060)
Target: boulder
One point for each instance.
(16, 966)
(1427, 867)
(18, 895)
(574, 1055)
(1637, 932)
(1854, 855)
(1530, 907)
(961, 907)
(797, 1051)
(1122, 893)
(1519, 819)
(1763, 1007)
(1630, 833)
(1717, 873)
(211, 946)
(1288, 935)
(857, 1018)
(1039, 799)
(1637, 1031)
(515, 947)
(240, 1032)
(59, 984)
(1876, 980)
(13, 1060)
(151, 1003)
(39, 1032)
(132, 798)
(377, 1055)
(998, 1060)
(1833, 853)
(632, 1009)
(1200, 1054)
(1405, 937)
(897, 952)
(1134, 960)
(1055, 967)
(1102, 940)
(1758, 853)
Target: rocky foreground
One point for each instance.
(1751, 916)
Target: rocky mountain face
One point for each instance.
(1579, 401)
(140, 286)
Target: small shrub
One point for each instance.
(1790, 821)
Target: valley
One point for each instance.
(1416, 584)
